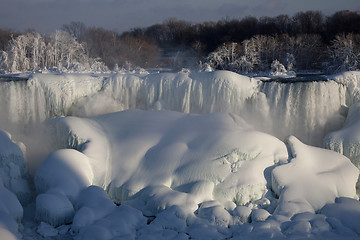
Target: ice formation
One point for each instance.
(14, 185)
(307, 110)
(205, 170)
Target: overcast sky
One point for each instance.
(46, 16)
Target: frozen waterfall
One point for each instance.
(308, 110)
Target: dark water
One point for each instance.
(301, 78)
(6, 78)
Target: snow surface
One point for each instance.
(139, 174)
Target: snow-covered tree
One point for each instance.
(225, 57)
(3, 61)
(290, 61)
(345, 53)
(277, 67)
(33, 52)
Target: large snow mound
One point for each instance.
(205, 176)
(214, 156)
(312, 178)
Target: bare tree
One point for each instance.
(75, 29)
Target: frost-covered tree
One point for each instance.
(33, 52)
(224, 57)
(344, 53)
(3, 61)
(290, 61)
(277, 67)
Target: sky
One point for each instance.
(45, 16)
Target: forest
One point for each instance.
(306, 41)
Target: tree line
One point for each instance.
(305, 41)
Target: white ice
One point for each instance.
(153, 174)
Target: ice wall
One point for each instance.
(308, 110)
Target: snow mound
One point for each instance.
(67, 170)
(86, 136)
(344, 212)
(199, 176)
(312, 178)
(202, 157)
(54, 208)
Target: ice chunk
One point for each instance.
(54, 208)
(93, 204)
(241, 214)
(46, 230)
(13, 170)
(121, 223)
(258, 215)
(172, 218)
(67, 170)
(214, 213)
